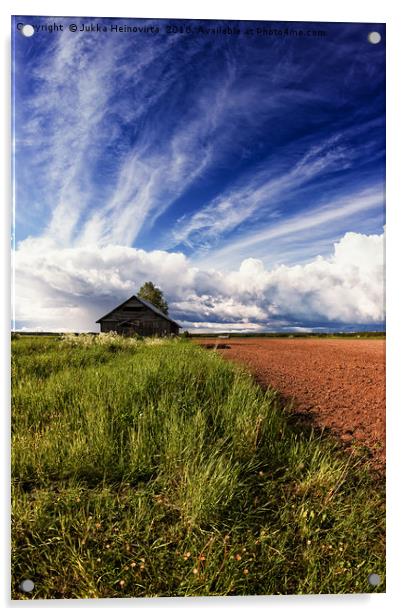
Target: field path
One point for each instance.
(338, 384)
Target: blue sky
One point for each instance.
(244, 174)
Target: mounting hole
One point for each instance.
(374, 579)
(374, 38)
(28, 30)
(27, 586)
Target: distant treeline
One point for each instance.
(17, 334)
(241, 335)
(294, 335)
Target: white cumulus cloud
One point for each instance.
(70, 288)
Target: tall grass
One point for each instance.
(154, 469)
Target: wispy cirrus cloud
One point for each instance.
(258, 193)
(80, 132)
(327, 213)
(64, 113)
(106, 168)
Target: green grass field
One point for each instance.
(158, 469)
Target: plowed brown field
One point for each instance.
(336, 384)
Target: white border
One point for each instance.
(292, 10)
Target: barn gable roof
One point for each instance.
(146, 304)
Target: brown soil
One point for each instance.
(336, 384)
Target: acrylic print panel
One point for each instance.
(198, 338)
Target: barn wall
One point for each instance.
(134, 317)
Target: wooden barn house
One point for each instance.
(137, 316)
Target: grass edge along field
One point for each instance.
(155, 468)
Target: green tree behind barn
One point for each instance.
(153, 294)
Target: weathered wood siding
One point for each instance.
(134, 317)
